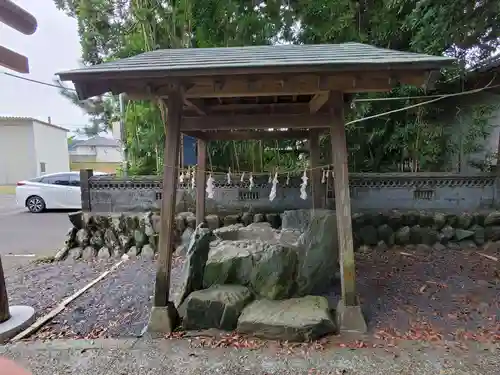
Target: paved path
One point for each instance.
(155, 357)
(23, 233)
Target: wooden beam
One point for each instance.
(314, 150)
(225, 135)
(170, 176)
(342, 199)
(14, 61)
(201, 181)
(317, 101)
(308, 121)
(17, 18)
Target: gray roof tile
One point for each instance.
(213, 59)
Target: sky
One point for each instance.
(54, 47)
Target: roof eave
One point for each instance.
(83, 78)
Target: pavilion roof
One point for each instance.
(171, 64)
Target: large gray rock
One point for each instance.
(185, 241)
(259, 231)
(194, 267)
(267, 268)
(273, 275)
(232, 262)
(289, 237)
(297, 319)
(228, 233)
(297, 219)
(318, 253)
(216, 307)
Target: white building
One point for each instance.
(99, 153)
(29, 147)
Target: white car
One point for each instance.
(51, 191)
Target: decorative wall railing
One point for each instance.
(369, 191)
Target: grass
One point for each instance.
(7, 189)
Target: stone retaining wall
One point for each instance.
(112, 235)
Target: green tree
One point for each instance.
(101, 110)
(111, 29)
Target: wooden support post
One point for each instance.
(201, 181)
(349, 315)
(342, 199)
(163, 312)
(314, 152)
(85, 175)
(4, 300)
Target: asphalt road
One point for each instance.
(24, 233)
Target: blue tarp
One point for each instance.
(189, 150)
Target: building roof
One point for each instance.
(334, 56)
(96, 141)
(21, 118)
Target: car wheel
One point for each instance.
(35, 204)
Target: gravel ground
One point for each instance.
(118, 306)
(412, 293)
(43, 286)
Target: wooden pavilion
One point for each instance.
(238, 93)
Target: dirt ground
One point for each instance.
(417, 293)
